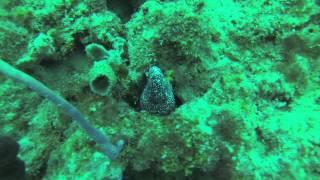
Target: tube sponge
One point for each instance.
(101, 78)
(96, 51)
(107, 147)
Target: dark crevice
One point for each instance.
(124, 8)
(133, 95)
(78, 41)
(221, 171)
(107, 45)
(29, 71)
(268, 140)
(72, 98)
(125, 55)
(48, 63)
(85, 90)
(178, 101)
(131, 174)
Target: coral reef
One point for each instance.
(40, 48)
(236, 86)
(107, 147)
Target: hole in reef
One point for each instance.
(100, 84)
(124, 8)
(259, 133)
(178, 101)
(71, 98)
(78, 44)
(131, 174)
(132, 97)
(125, 55)
(317, 100)
(310, 30)
(107, 45)
(270, 38)
(282, 97)
(85, 90)
(29, 71)
(49, 63)
(221, 171)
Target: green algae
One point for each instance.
(246, 76)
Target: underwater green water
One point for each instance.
(159, 89)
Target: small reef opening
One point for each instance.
(85, 90)
(132, 97)
(72, 98)
(178, 100)
(124, 8)
(78, 44)
(221, 172)
(49, 63)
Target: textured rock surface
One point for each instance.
(245, 76)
